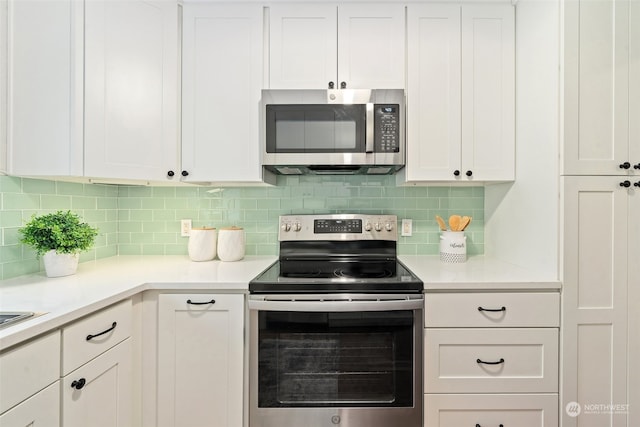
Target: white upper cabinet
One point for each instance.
(131, 83)
(602, 87)
(44, 89)
(93, 92)
(316, 46)
(460, 93)
(221, 83)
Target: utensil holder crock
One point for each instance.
(453, 246)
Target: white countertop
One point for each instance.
(478, 273)
(98, 284)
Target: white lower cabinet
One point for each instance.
(491, 359)
(40, 410)
(200, 360)
(522, 410)
(100, 392)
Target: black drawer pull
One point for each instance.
(493, 309)
(113, 326)
(201, 303)
(78, 384)
(478, 425)
(499, 362)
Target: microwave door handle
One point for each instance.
(369, 136)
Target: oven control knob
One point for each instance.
(285, 226)
(378, 226)
(388, 226)
(367, 226)
(297, 226)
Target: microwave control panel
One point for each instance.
(387, 128)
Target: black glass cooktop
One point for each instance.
(298, 276)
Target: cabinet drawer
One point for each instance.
(491, 410)
(29, 368)
(486, 310)
(41, 410)
(491, 360)
(87, 338)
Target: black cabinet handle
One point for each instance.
(113, 326)
(499, 362)
(492, 309)
(625, 165)
(201, 303)
(343, 85)
(184, 173)
(78, 384)
(469, 173)
(171, 173)
(478, 425)
(625, 184)
(456, 172)
(636, 184)
(331, 85)
(636, 166)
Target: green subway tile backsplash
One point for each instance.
(20, 198)
(136, 220)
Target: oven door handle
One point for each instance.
(334, 305)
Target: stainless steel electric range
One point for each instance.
(336, 327)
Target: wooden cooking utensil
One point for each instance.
(464, 222)
(454, 222)
(443, 226)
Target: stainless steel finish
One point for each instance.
(340, 416)
(368, 162)
(335, 302)
(8, 318)
(374, 227)
(370, 129)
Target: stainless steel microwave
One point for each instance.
(345, 131)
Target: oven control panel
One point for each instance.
(338, 227)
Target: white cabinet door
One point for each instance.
(433, 91)
(303, 45)
(488, 94)
(633, 305)
(3, 87)
(595, 298)
(221, 82)
(40, 410)
(100, 392)
(44, 88)
(602, 79)
(460, 93)
(371, 46)
(131, 83)
(200, 360)
(314, 46)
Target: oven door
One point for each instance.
(335, 360)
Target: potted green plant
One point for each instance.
(59, 238)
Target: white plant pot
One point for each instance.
(58, 265)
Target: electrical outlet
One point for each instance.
(407, 227)
(185, 227)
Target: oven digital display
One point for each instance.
(326, 226)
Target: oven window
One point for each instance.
(331, 359)
(315, 128)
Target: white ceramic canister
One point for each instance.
(453, 246)
(231, 244)
(202, 244)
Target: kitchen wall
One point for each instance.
(140, 220)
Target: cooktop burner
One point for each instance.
(272, 281)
